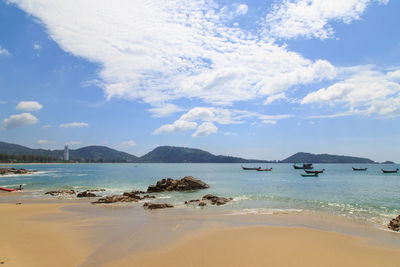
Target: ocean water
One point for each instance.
(370, 196)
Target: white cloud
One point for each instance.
(73, 125)
(4, 52)
(158, 51)
(46, 126)
(37, 46)
(129, 143)
(45, 142)
(210, 115)
(206, 128)
(362, 91)
(311, 18)
(273, 98)
(19, 120)
(29, 106)
(165, 110)
(177, 126)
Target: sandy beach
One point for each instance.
(43, 234)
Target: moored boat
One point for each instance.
(319, 171)
(309, 175)
(253, 168)
(359, 169)
(391, 171)
(305, 166)
(264, 170)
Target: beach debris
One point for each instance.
(4, 171)
(215, 200)
(184, 184)
(86, 193)
(394, 224)
(152, 206)
(18, 203)
(60, 192)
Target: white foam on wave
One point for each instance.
(240, 198)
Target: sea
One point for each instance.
(369, 196)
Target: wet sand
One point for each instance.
(77, 233)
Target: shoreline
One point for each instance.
(115, 235)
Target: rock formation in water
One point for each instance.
(394, 224)
(184, 184)
(152, 206)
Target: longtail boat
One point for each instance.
(320, 171)
(359, 169)
(305, 166)
(264, 170)
(248, 169)
(310, 175)
(391, 171)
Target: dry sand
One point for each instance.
(267, 246)
(45, 235)
(28, 240)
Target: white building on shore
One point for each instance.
(66, 153)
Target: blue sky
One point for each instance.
(257, 79)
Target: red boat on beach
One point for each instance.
(9, 189)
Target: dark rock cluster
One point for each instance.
(394, 224)
(4, 171)
(60, 192)
(152, 206)
(184, 184)
(214, 200)
(133, 196)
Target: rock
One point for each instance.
(115, 198)
(96, 190)
(202, 204)
(192, 201)
(86, 193)
(394, 224)
(152, 206)
(184, 184)
(215, 200)
(4, 171)
(60, 192)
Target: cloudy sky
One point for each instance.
(258, 79)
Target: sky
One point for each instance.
(255, 79)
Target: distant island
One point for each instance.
(10, 153)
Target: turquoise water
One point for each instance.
(371, 196)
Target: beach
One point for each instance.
(77, 233)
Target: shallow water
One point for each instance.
(369, 196)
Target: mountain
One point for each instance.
(89, 153)
(302, 157)
(100, 154)
(172, 154)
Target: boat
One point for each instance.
(309, 174)
(9, 189)
(320, 171)
(359, 169)
(391, 171)
(248, 169)
(264, 170)
(305, 166)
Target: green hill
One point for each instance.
(302, 157)
(172, 154)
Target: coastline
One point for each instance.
(72, 233)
